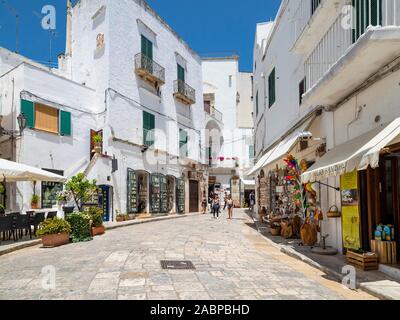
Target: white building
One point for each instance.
(229, 125)
(334, 82)
(127, 76)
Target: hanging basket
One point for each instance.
(334, 212)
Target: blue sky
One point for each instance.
(208, 26)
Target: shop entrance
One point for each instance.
(380, 198)
(171, 193)
(105, 201)
(193, 196)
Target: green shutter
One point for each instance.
(257, 103)
(367, 12)
(251, 152)
(65, 123)
(181, 73)
(183, 141)
(28, 110)
(271, 88)
(148, 126)
(147, 47)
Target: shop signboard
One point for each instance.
(350, 210)
(132, 192)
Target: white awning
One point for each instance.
(14, 171)
(281, 149)
(358, 153)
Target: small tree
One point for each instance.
(80, 189)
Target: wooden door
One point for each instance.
(193, 196)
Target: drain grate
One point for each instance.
(177, 265)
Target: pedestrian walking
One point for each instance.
(204, 205)
(230, 206)
(216, 207)
(252, 201)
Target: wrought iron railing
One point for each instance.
(180, 87)
(142, 62)
(215, 113)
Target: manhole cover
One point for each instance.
(177, 265)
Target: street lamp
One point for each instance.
(21, 123)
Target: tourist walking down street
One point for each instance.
(230, 205)
(225, 200)
(204, 205)
(216, 207)
(252, 201)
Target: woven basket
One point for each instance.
(334, 212)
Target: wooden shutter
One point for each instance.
(65, 123)
(183, 141)
(28, 110)
(46, 118)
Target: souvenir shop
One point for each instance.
(154, 193)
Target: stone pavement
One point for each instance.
(232, 260)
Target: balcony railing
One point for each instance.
(149, 69)
(184, 92)
(342, 35)
(213, 112)
(303, 14)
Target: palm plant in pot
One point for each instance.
(54, 232)
(34, 201)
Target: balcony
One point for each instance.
(347, 57)
(149, 70)
(213, 113)
(185, 93)
(311, 20)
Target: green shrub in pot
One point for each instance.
(96, 216)
(53, 226)
(80, 224)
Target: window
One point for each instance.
(251, 152)
(50, 190)
(230, 81)
(181, 73)
(257, 103)
(314, 5)
(271, 88)
(303, 145)
(147, 48)
(302, 90)
(148, 129)
(183, 142)
(45, 118)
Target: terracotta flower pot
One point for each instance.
(120, 219)
(98, 230)
(34, 205)
(276, 231)
(55, 240)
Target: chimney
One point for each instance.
(68, 46)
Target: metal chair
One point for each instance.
(22, 224)
(6, 226)
(37, 219)
(51, 215)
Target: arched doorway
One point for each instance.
(215, 140)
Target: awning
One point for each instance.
(13, 171)
(281, 149)
(358, 153)
(249, 183)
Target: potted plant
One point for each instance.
(276, 228)
(98, 142)
(120, 217)
(54, 232)
(97, 226)
(34, 201)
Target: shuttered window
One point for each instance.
(46, 118)
(181, 73)
(147, 47)
(257, 103)
(183, 142)
(28, 110)
(41, 117)
(271, 88)
(148, 129)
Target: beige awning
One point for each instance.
(358, 153)
(13, 171)
(281, 149)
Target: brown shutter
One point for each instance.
(46, 118)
